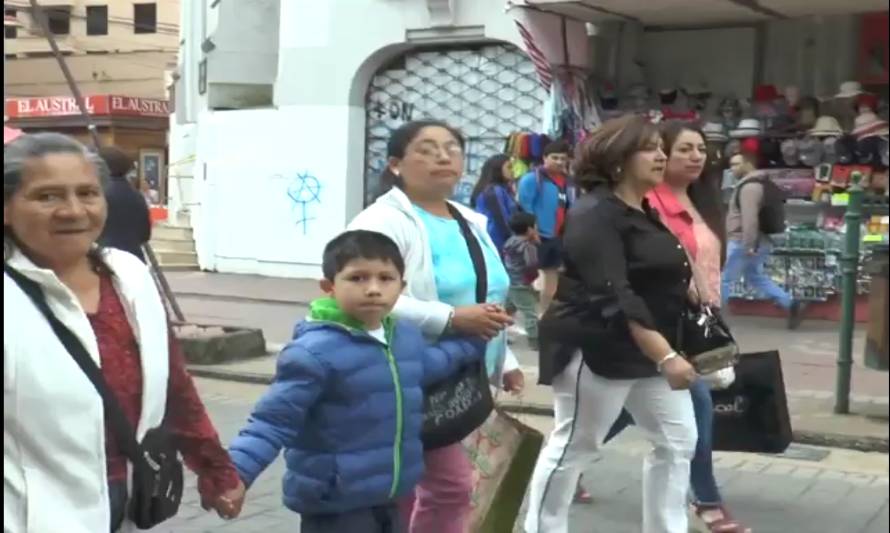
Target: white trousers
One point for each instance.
(586, 406)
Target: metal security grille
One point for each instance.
(487, 92)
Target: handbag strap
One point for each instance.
(120, 425)
(476, 254)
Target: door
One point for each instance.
(486, 91)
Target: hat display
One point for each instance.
(715, 132)
(868, 150)
(764, 94)
(846, 150)
(827, 126)
(868, 124)
(790, 153)
(811, 150)
(829, 150)
(749, 127)
(867, 101)
(770, 152)
(734, 147)
(850, 89)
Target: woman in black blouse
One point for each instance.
(607, 340)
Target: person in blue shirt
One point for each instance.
(346, 404)
(494, 197)
(544, 192)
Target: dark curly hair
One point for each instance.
(600, 159)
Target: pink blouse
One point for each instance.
(700, 242)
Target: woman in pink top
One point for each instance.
(690, 206)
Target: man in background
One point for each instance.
(128, 226)
(748, 243)
(544, 193)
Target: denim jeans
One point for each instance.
(739, 263)
(701, 475)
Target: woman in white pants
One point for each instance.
(608, 336)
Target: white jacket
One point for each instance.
(394, 216)
(54, 475)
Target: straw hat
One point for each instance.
(715, 132)
(749, 127)
(827, 126)
(870, 125)
(850, 89)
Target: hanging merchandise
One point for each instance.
(526, 150)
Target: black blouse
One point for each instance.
(621, 264)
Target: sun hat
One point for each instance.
(868, 124)
(826, 126)
(715, 132)
(748, 127)
(850, 89)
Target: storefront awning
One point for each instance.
(697, 13)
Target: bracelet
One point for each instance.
(659, 365)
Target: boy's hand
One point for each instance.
(514, 381)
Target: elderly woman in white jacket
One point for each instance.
(62, 468)
(425, 163)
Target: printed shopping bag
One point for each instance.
(751, 415)
(503, 452)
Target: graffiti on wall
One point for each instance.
(303, 192)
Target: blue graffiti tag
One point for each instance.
(304, 189)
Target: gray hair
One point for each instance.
(36, 145)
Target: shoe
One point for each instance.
(715, 520)
(795, 314)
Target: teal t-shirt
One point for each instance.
(456, 278)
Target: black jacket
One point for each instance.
(129, 223)
(621, 264)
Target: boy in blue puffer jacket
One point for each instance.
(347, 401)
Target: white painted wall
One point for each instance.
(243, 216)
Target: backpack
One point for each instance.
(771, 217)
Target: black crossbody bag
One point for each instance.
(157, 486)
(456, 406)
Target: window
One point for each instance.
(59, 19)
(145, 18)
(97, 20)
(10, 31)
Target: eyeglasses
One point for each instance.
(432, 151)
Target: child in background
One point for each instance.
(347, 401)
(521, 262)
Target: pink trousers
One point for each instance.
(441, 501)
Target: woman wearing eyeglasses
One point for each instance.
(425, 163)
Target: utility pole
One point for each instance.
(40, 16)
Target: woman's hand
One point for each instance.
(484, 320)
(679, 373)
(514, 381)
(228, 504)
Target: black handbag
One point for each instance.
(751, 415)
(705, 340)
(454, 407)
(157, 482)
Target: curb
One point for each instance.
(831, 440)
(238, 298)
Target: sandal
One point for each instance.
(718, 520)
(582, 496)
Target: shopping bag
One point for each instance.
(503, 452)
(751, 415)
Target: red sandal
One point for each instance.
(718, 520)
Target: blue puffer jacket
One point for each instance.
(347, 410)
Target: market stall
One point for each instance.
(772, 78)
